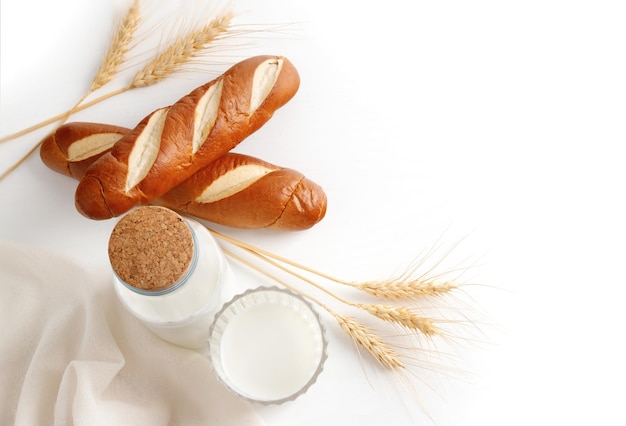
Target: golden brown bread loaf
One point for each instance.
(235, 190)
(172, 143)
(245, 192)
(73, 147)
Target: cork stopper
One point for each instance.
(151, 248)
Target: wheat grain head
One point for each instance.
(120, 45)
(370, 341)
(181, 50)
(406, 289)
(402, 316)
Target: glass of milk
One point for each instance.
(268, 345)
(169, 273)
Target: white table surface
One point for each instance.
(498, 124)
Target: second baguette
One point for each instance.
(245, 192)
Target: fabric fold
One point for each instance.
(71, 355)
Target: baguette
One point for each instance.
(235, 190)
(244, 192)
(172, 143)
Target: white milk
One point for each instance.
(268, 350)
(183, 316)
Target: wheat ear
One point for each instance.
(403, 287)
(182, 50)
(113, 59)
(399, 316)
(156, 70)
(359, 333)
(120, 46)
(398, 288)
(369, 340)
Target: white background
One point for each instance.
(494, 123)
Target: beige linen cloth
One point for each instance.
(71, 355)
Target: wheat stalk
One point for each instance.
(180, 51)
(399, 316)
(113, 59)
(359, 333)
(402, 287)
(61, 116)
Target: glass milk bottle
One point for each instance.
(169, 273)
